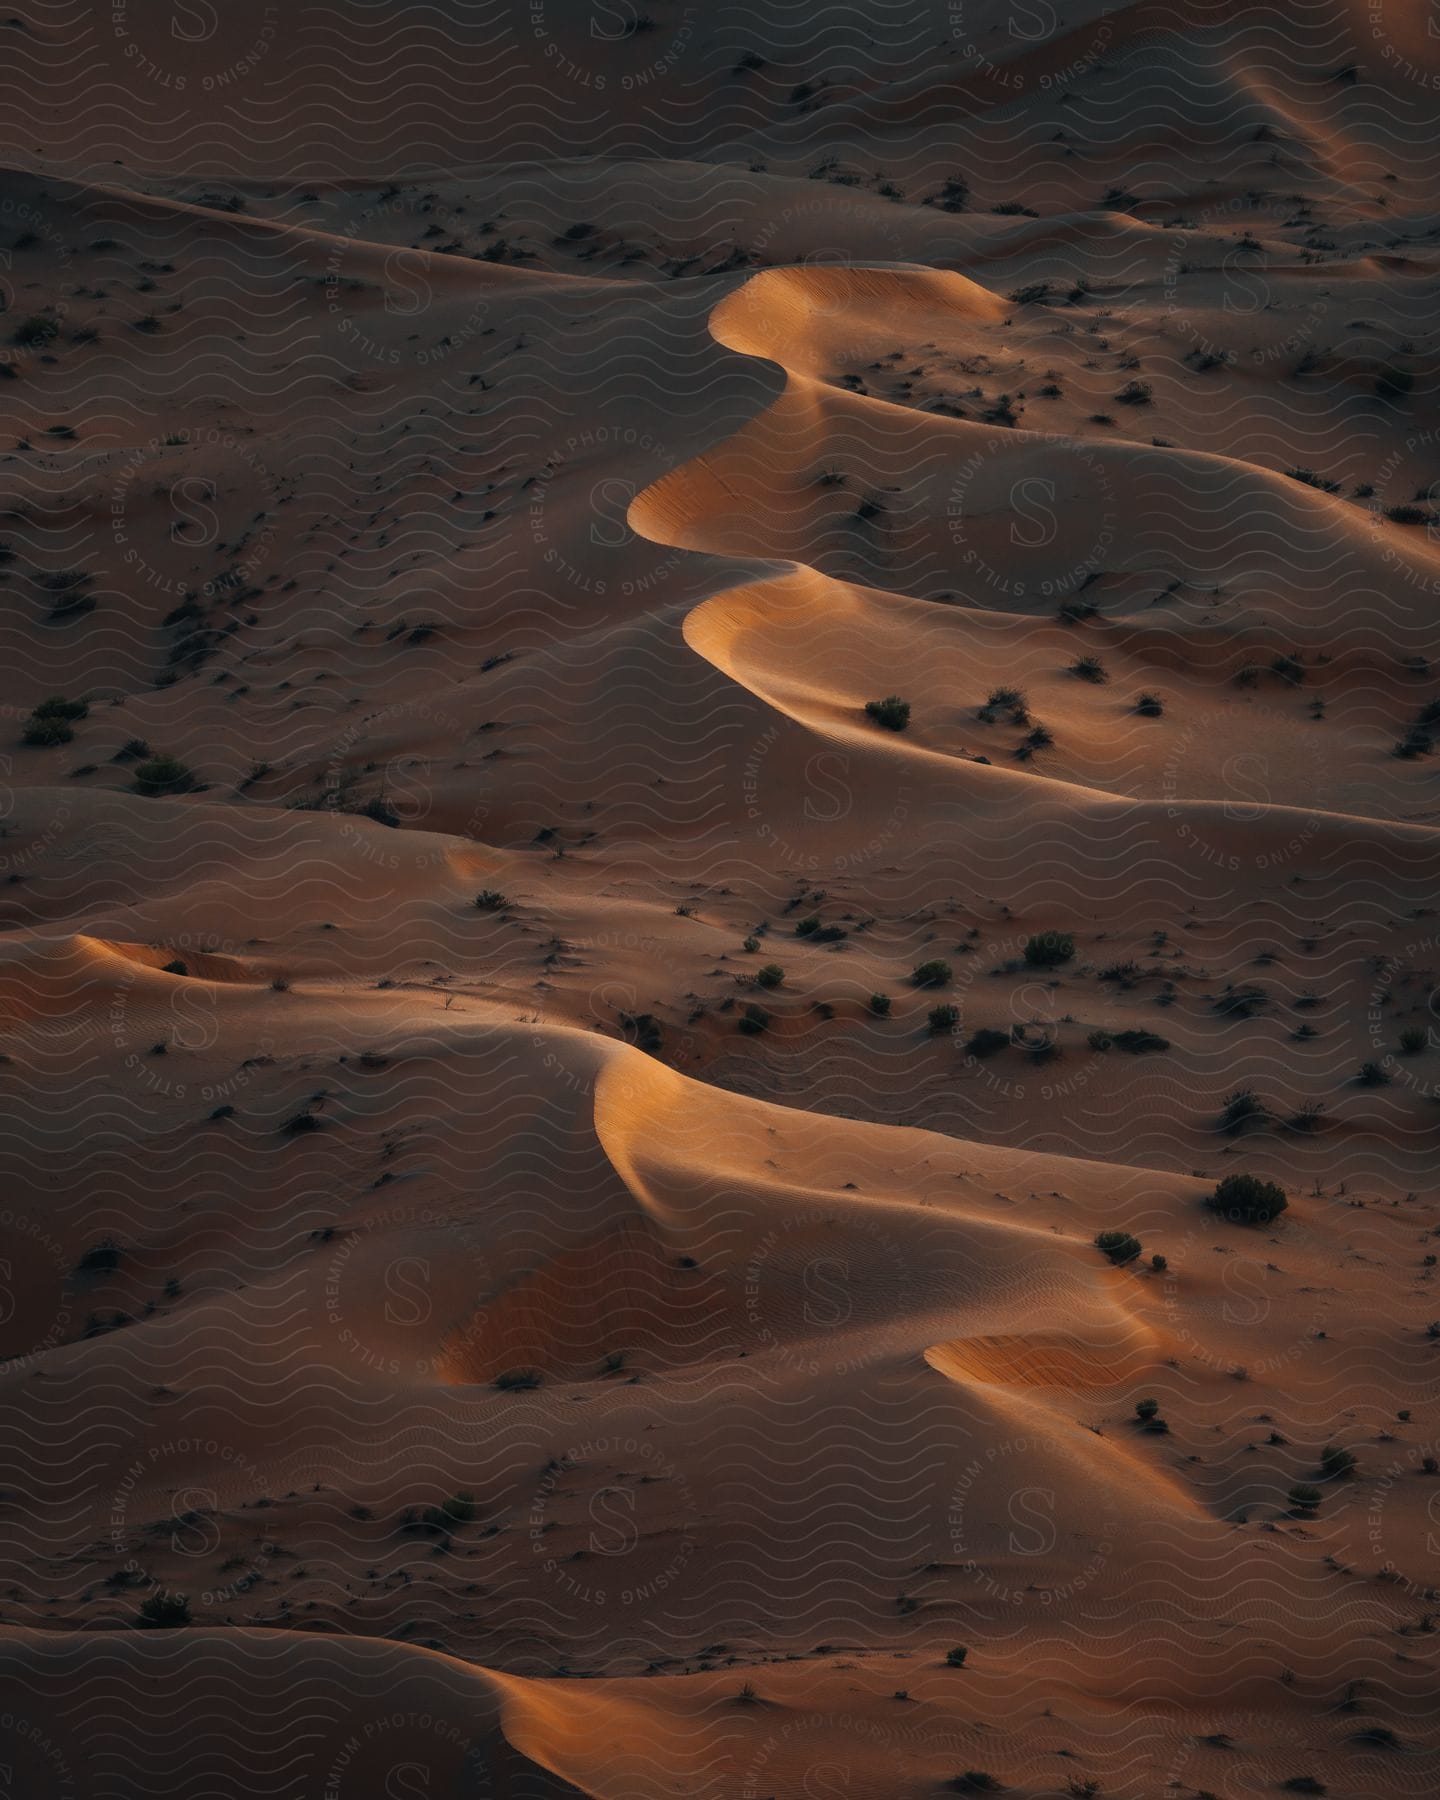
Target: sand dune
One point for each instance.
(516, 1278)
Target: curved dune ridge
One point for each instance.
(556, 1165)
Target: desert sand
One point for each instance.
(511, 1285)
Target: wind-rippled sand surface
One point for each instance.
(510, 1284)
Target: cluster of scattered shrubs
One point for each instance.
(1012, 703)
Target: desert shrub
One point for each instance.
(46, 733)
(643, 1030)
(1248, 1200)
(1371, 1075)
(1147, 1409)
(1241, 1002)
(35, 332)
(769, 975)
(1310, 1117)
(944, 1018)
(1136, 393)
(1088, 668)
(1302, 1784)
(1413, 1039)
(459, 1509)
(892, 712)
(58, 707)
(1010, 701)
(1119, 1246)
(880, 1005)
(1100, 1040)
(955, 1659)
(1140, 1043)
(976, 1781)
(1314, 480)
(1040, 738)
(986, 1042)
(1335, 1462)
(1001, 411)
(101, 1258)
(932, 974)
(1408, 515)
(1241, 1109)
(1150, 706)
(805, 926)
(1159, 1264)
(518, 1381)
(50, 722)
(1049, 949)
(163, 775)
(1304, 1496)
(1126, 973)
(754, 1020)
(164, 1611)
(491, 900)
